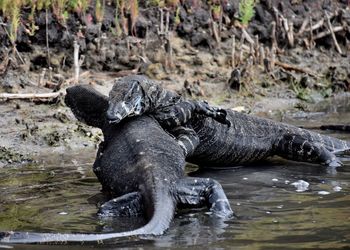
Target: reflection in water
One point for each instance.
(62, 195)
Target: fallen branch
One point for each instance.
(295, 68)
(326, 33)
(30, 95)
(72, 79)
(316, 26)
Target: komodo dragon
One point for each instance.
(140, 164)
(247, 139)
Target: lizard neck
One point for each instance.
(157, 98)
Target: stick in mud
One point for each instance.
(76, 62)
(330, 27)
(47, 37)
(233, 52)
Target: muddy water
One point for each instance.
(61, 195)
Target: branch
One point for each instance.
(30, 95)
(295, 68)
(326, 33)
(330, 27)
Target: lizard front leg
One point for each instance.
(182, 112)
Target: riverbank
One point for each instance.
(256, 68)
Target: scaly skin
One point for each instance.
(136, 95)
(252, 139)
(140, 164)
(208, 142)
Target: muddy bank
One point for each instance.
(192, 53)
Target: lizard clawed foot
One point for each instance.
(217, 114)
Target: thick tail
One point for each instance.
(163, 212)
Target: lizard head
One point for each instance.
(126, 99)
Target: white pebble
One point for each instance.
(301, 185)
(323, 192)
(337, 188)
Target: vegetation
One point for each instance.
(10, 10)
(246, 11)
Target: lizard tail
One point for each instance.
(163, 212)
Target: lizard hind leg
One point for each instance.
(124, 206)
(197, 192)
(297, 148)
(186, 137)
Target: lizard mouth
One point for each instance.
(117, 112)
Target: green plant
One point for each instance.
(99, 11)
(118, 31)
(246, 11)
(79, 6)
(177, 16)
(301, 93)
(216, 11)
(15, 20)
(134, 13)
(155, 3)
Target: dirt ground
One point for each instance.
(200, 67)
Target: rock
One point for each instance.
(186, 59)
(235, 80)
(185, 29)
(155, 71)
(203, 58)
(92, 32)
(221, 60)
(158, 56)
(202, 18)
(141, 26)
(122, 54)
(201, 39)
(91, 47)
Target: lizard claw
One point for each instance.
(217, 114)
(221, 116)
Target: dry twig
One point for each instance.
(295, 68)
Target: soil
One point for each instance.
(200, 67)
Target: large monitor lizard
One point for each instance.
(139, 163)
(208, 142)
